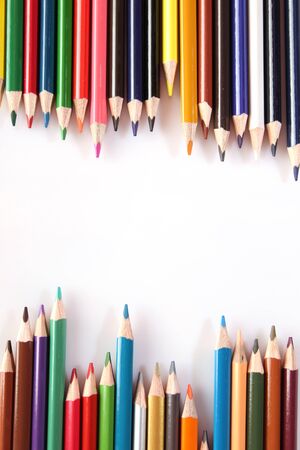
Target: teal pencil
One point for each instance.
(124, 374)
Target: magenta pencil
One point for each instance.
(98, 115)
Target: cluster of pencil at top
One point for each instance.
(255, 404)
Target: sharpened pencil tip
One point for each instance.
(274, 149)
(115, 121)
(73, 375)
(90, 370)
(273, 333)
(255, 346)
(42, 310)
(189, 148)
(125, 312)
(157, 369)
(290, 342)
(107, 359)
(296, 172)
(79, 125)
(172, 368)
(97, 149)
(205, 129)
(221, 154)
(134, 126)
(151, 122)
(140, 378)
(59, 295)
(240, 140)
(63, 133)
(189, 392)
(13, 116)
(223, 322)
(8, 347)
(170, 89)
(29, 121)
(204, 436)
(46, 119)
(25, 314)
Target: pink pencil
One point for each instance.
(98, 118)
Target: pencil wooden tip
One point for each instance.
(257, 135)
(73, 375)
(273, 333)
(107, 359)
(91, 370)
(172, 368)
(290, 342)
(59, 295)
(255, 346)
(125, 312)
(170, 72)
(9, 347)
(189, 392)
(189, 147)
(25, 314)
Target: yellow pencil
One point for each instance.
(188, 70)
(2, 47)
(156, 412)
(170, 41)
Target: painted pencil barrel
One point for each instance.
(155, 430)
(222, 399)
(134, 51)
(170, 31)
(7, 384)
(64, 54)
(47, 46)
(106, 417)
(139, 428)
(272, 403)
(116, 48)
(205, 51)
(14, 45)
(2, 42)
(255, 411)
(172, 412)
(152, 49)
(81, 49)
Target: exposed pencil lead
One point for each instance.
(8, 347)
(204, 129)
(274, 149)
(223, 321)
(134, 126)
(97, 149)
(63, 133)
(222, 154)
(205, 436)
(107, 359)
(42, 310)
(29, 121)
(79, 125)
(290, 342)
(255, 346)
(59, 295)
(115, 121)
(172, 368)
(125, 312)
(90, 370)
(189, 392)
(189, 147)
(151, 122)
(273, 333)
(140, 378)
(13, 116)
(296, 172)
(240, 140)
(46, 119)
(25, 314)
(73, 375)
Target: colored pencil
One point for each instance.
(222, 380)
(81, 59)
(39, 384)
(289, 399)
(272, 366)
(272, 71)
(23, 386)
(56, 386)
(2, 46)
(255, 401)
(189, 423)
(30, 69)
(72, 415)
(204, 442)
(172, 409)
(239, 46)
(116, 58)
(7, 382)
(170, 41)
(64, 64)
(205, 61)
(139, 416)
(222, 80)
(188, 70)
(134, 62)
(152, 59)
(156, 412)
(14, 55)
(292, 45)
(256, 75)
(47, 56)
(98, 115)
(238, 395)
(89, 411)
(124, 369)
(107, 406)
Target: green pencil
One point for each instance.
(57, 356)
(64, 65)
(14, 56)
(107, 406)
(255, 401)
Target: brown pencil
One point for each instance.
(289, 399)
(272, 363)
(7, 379)
(23, 386)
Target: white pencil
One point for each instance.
(139, 416)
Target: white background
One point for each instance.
(181, 239)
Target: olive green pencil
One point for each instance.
(107, 406)
(56, 389)
(255, 401)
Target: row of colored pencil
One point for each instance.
(255, 404)
(237, 77)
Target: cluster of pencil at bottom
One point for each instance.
(255, 404)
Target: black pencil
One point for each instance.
(172, 410)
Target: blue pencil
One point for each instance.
(239, 45)
(134, 63)
(47, 57)
(124, 374)
(222, 385)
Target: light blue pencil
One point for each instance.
(124, 374)
(222, 386)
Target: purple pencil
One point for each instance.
(39, 387)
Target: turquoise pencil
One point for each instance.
(223, 353)
(124, 374)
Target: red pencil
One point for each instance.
(30, 58)
(81, 59)
(89, 411)
(72, 415)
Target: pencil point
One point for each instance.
(151, 122)
(13, 116)
(90, 370)
(255, 346)
(221, 154)
(8, 347)
(42, 310)
(274, 149)
(63, 133)
(172, 368)
(273, 333)
(46, 119)
(79, 125)
(135, 126)
(223, 322)
(59, 295)
(140, 378)
(97, 149)
(25, 314)
(107, 359)
(157, 369)
(189, 148)
(290, 342)
(240, 140)
(170, 89)
(205, 129)
(204, 436)
(73, 375)
(29, 121)
(126, 312)
(189, 392)
(296, 172)
(115, 121)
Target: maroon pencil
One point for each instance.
(289, 399)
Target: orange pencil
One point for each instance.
(238, 395)
(189, 423)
